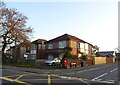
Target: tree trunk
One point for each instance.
(3, 54)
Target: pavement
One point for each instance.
(53, 71)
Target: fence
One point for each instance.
(103, 60)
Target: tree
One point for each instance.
(118, 49)
(67, 53)
(13, 29)
(95, 49)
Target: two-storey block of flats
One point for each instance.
(54, 47)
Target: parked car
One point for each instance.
(53, 61)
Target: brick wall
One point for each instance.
(73, 45)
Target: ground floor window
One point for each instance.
(50, 56)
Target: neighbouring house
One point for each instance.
(118, 55)
(18, 52)
(107, 54)
(39, 44)
(31, 50)
(54, 47)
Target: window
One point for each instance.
(50, 46)
(34, 46)
(62, 44)
(50, 56)
(39, 46)
(86, 48)
(33, 51)
(82, 47)
(43, 47)
(79, 46)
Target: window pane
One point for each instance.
(62, 44)
(50, 46)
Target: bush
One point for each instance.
(83, 57)
(68, 55)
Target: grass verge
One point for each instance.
(36, 66)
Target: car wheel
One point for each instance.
(53, 64)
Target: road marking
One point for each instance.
(114, 70)
(74, 78)
(85, 70)
(99, 79)
(40, 79)
(12, 76)
(99, 76)
(49, 80)
(112, 81)
(8, 79)
(84, 82)
(102, 81)
(39, 74)
(19, 77)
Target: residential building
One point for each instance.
(39, 46)
(28, 50)
(54, 47)
(108, 54)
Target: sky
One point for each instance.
(91, 21)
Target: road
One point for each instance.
(106, 74)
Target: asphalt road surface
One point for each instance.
(102, 75)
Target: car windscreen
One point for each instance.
(51, 59)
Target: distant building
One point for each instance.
(54, 47)
(107, 54)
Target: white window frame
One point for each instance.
(50, 46)
(62, 44)
(33, 51)
(86, 48)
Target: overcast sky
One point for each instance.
(94, 22)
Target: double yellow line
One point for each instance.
(49, 80)
(15, 80)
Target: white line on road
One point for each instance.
(112, 81)
(114, 70)
(99, 76)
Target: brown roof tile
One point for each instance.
(66, 37)
(39, 41)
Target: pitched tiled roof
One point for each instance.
(117, 54)
(39, 41)
(106, 52)
(66, 37)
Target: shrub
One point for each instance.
(67, 51)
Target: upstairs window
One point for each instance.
(82, 47)
(50, 46)
(34, 46)
(62, 44)
(33, 51)
(79, 46)
(86, 48)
